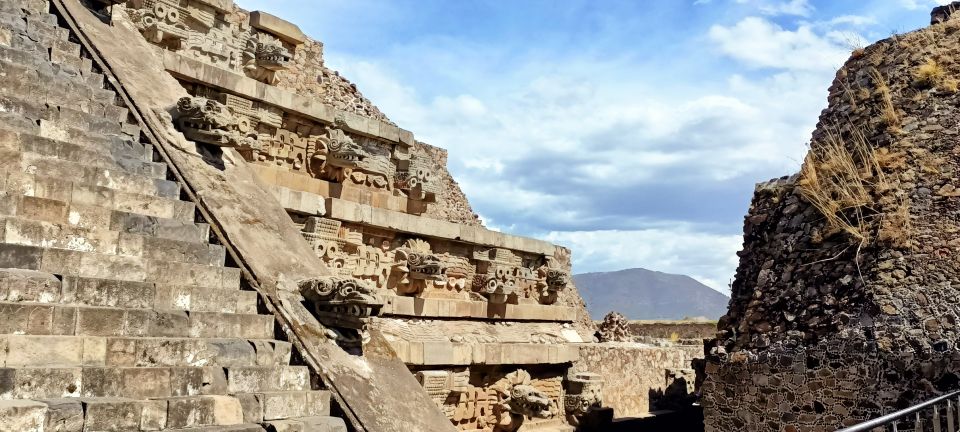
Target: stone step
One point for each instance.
(246, 427)
(16, 122)
(28, 286)
(22, 416)
(70, 124)
(101, 266)
(308, 424)
(124, 414)
(30, 229)
(80, 174)
(39, 28)
(33, 34)
(48, 186)
(65, 119)
(27, 76)
(94, 351)
(284, 405)
(148, 382)
(44, 319)
(29, 147)
(94, 217)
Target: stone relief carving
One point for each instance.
(584, 394)
(343, 303)
(210, 122)
(199, 30)
(417, 178)
(264, 56)
(416, 267)
(324, 151)
(496, 403)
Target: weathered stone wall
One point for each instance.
(840, 313)
(633, 372)
(673, 330)
(452, 204)
(308, 76)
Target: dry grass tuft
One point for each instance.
(933, 74)
(887, 111)
(890, 160)
(845, 180)
(929, 75)
(837, 178)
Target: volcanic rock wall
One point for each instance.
(844, 305)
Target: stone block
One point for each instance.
(283, 405)
(60, 261)
(64, 415)
(283, 29)
(94, 351)
(22, 416)
(112, 414)
(22, 257)
(187, 381)
(154, 415)
(41, 383)
(102, 382)
(101, 322)
(25, 319)
(251, 406)
(43, 209)
(214, 381)
(41, 351)
(202, 411)
(144, 383)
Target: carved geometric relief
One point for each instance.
(324, 151)
(198, 30)
(494, 401)
(413, 266)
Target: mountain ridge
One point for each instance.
(643, 294)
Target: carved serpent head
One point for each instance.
(342, 152)
(271, 55)
(526, 400)
(208, 121)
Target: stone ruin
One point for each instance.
(614, 328)
(844, 304)
(203, 228)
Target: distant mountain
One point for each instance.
(645, 294)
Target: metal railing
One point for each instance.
(915, 419)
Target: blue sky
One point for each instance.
(631, 131)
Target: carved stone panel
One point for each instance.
(324, 151)
(411, 266)
(490, 400)
(199, 30)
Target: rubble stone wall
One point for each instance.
(830, 325)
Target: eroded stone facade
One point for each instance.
(487, 321)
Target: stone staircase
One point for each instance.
(117, 313)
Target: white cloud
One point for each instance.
(760, 43)
(773, 8)
(918, 4)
